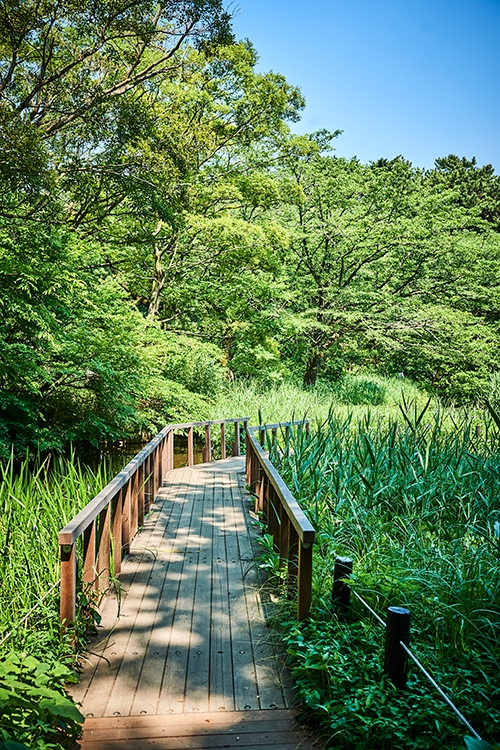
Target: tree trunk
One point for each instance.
(313, 368)
(158, 283)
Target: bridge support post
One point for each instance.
(68, 583)
(305, 581)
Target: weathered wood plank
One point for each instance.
(180, 636)
(265, 729)
(198, 666)
(108, 647)
(191, 637)
(221, 696)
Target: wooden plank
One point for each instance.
(287, 740)
(137, 571)
(193, 723)
(276, 741)
(179, 636)
(265, 729)
(244, 673)
(144, 648)
(198, 666)
(270, 693)
(221, 662)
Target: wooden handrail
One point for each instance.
(292, 532)
(112, 518)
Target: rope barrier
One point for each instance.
(440, 691)
(16, 627)
(423, 670)
(368, 607)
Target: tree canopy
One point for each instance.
(162, 231)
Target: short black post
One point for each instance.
(396, 658)
(341, 593)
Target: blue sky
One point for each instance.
(416, 78)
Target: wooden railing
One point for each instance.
(110, 521)
(292, 532)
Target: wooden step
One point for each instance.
(277, 729)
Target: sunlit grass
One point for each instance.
(415, 504)
(36, 500)
(284, 401)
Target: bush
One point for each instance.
(359, 390)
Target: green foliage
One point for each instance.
(414, 504)
(37, 498)
(36, 660)
(33, 708)
(362, 390)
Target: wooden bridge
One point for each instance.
(183, 657)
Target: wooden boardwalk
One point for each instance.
(183, 657)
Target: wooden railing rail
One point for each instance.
(292, 532)
(112, 518)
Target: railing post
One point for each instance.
(293, 565)
(262, 436)
(140, 495)
(395, 658)
(305, 581)
(207, 450)
(67, 604)
(341, 593)
(147, 484)
(158, 466)
(190, 438)
(236, 443)
(171, 450)
(249, 458)
(134, 507)
(88, 569)
(125, 506)
(117, 510)
(260, 497)
(104, 556)
(284, 542)
(223, 440)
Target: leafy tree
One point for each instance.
(374, 247)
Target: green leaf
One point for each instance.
(474, 744)
(62, 707)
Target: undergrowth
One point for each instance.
(37, 498)
(414, 503)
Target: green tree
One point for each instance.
(375, 251)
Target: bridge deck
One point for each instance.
(186, 632)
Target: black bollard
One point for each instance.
(341, 593)
(396, 658)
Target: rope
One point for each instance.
(368, 607)
(440, 691)
(6, 637)
(423, 670)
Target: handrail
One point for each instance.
(292, 532)
(112, 518)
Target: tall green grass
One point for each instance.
(36, 500)
(415, 502)
(286, 400)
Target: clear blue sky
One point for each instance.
(419, 78)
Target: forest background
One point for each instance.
(163, 232)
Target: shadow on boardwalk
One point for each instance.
(186, 636)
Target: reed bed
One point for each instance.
(415, 503)
(37, 498)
